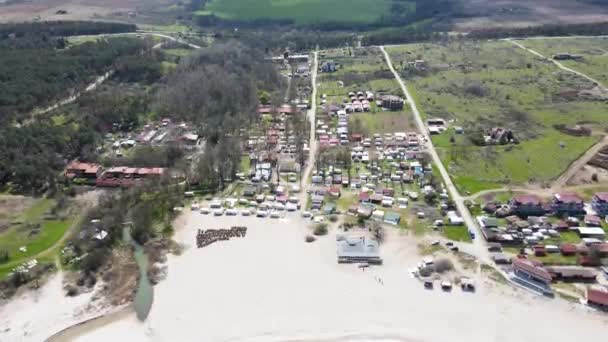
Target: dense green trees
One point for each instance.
(36, 77)
(63, 28)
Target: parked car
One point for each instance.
(428, 284)
(446, 285)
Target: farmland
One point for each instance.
(594, 53)
(479, 86)
(301, 12)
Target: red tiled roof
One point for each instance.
(602, 247)
(529, 267)
(363, 196)
(526, 199)
(602, 196)
(568, 197)
(83, 167)
(597, 296)
(593, 219)
(568, 248)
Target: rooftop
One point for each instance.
(568, 197)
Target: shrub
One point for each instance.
(443, 265)
(320, 229)
(310, 238)
(333, 218)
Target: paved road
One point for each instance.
(557, 63)
(311, 116)
(480, 251)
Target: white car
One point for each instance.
(275, 214)
(245, 212)
(231, 212)
(306, 214)
(218, 212)
(205, 210)
(262, 213)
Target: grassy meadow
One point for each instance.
(302, 12)
(32, 230)
(593, 50)
(480, 85)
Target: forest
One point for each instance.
(35, 77)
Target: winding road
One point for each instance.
(480, 250)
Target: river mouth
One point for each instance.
(144, 295)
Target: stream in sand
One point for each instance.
(144, 297)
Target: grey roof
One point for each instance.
(358, 248)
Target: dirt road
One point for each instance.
(557, 63)
(480, 250)
(100, 79)
(312, 114)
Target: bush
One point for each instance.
(310, 238)
(320, 229)
(443, 265)
(333, 218)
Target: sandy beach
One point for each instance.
(271, 286)
(34, 315)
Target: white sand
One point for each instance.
(36, 315)
(271, 286)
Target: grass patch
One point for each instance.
(346, 201)
(383, 122)
(556, 259)
(245, 164)
(302, 12)
(471, 185)
(425, 249)
(178, 52)
(457, 233)
(481, 85)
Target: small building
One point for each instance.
(526, 205)
(392, 102)
(572, 273)
(501, 259)
(598, 297)
(590, 232)
(599, 203)
(363, 197)
(358, 250)
(329, 208)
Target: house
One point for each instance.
(539, 250)
(376, 198)
(334, 192)
(87, 171)
(363, 197)
(592, 221)
(598, 297)
(501, 259)
(329, 208)
(365, 211)
(392, 218)
(599, 203)
(329, 66)
(568, 249)
(567, 203)
(392, 102)
(526, 205)
(316, 202)
(358, 249)
(378, 215)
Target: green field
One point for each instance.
(593, 50)
(457, 233)
(34, 233)
(494, 84)
(302, 12)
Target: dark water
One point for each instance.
(144, 296)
